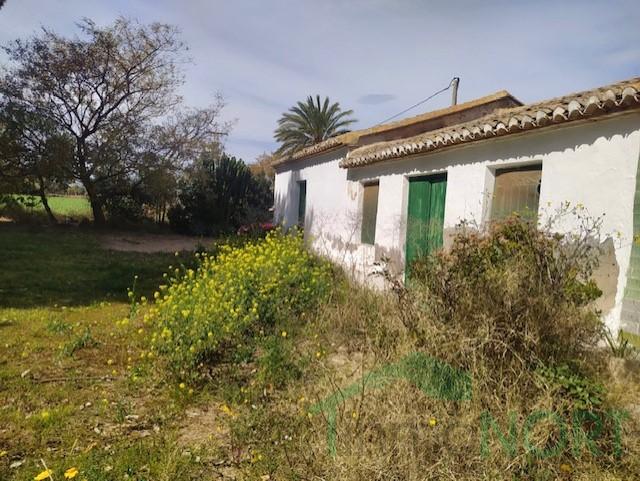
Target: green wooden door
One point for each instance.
(425, 217)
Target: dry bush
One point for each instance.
(511, 307)
(514, 297)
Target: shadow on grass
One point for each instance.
(65, 266)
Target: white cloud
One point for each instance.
(265, 55)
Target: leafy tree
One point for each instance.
(107, 89)
(260, 199)
(261, 192)
(160, 187)
(310, 122)
(217, 195)
(33, 152)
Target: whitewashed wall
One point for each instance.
(332, 219)
(593, 164)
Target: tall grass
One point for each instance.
(513, 308)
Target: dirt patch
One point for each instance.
(205, 426)
(150, 243)
(209, 426)
(348, 366)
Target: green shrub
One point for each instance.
(581, 392)
(239, 292)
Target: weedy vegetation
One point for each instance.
(212, 366)
(74, 391)
(514, 308)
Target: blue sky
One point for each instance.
(376, 57)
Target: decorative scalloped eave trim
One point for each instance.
(519, 119)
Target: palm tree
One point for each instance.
(311, 122)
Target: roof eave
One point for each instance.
(553, 113)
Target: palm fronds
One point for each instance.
(310, 122)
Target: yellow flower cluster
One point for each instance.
(230, 295)
(48, 474)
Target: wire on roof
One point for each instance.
(419, 103)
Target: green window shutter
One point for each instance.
(302, 201)
(369, 213)
(425, 217)
(516, 191)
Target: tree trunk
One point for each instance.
(89, 186)
(45, 203)
(98, 213)
(96, 206)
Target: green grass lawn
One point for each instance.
(74, 207)
(66, 266)
(69, 206)
(77, 390)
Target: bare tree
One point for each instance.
(103, 88)
(186, 134)
(263, 166)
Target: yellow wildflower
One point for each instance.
(284, 334)
(43, 475)
(433, 422)
(182, 385)
(227, 410)
(71, 473)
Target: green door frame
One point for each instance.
(302, 202)
(425, 216)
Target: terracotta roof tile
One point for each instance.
(605, 100)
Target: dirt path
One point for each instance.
(140, 242)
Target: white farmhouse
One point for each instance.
(369, 193)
